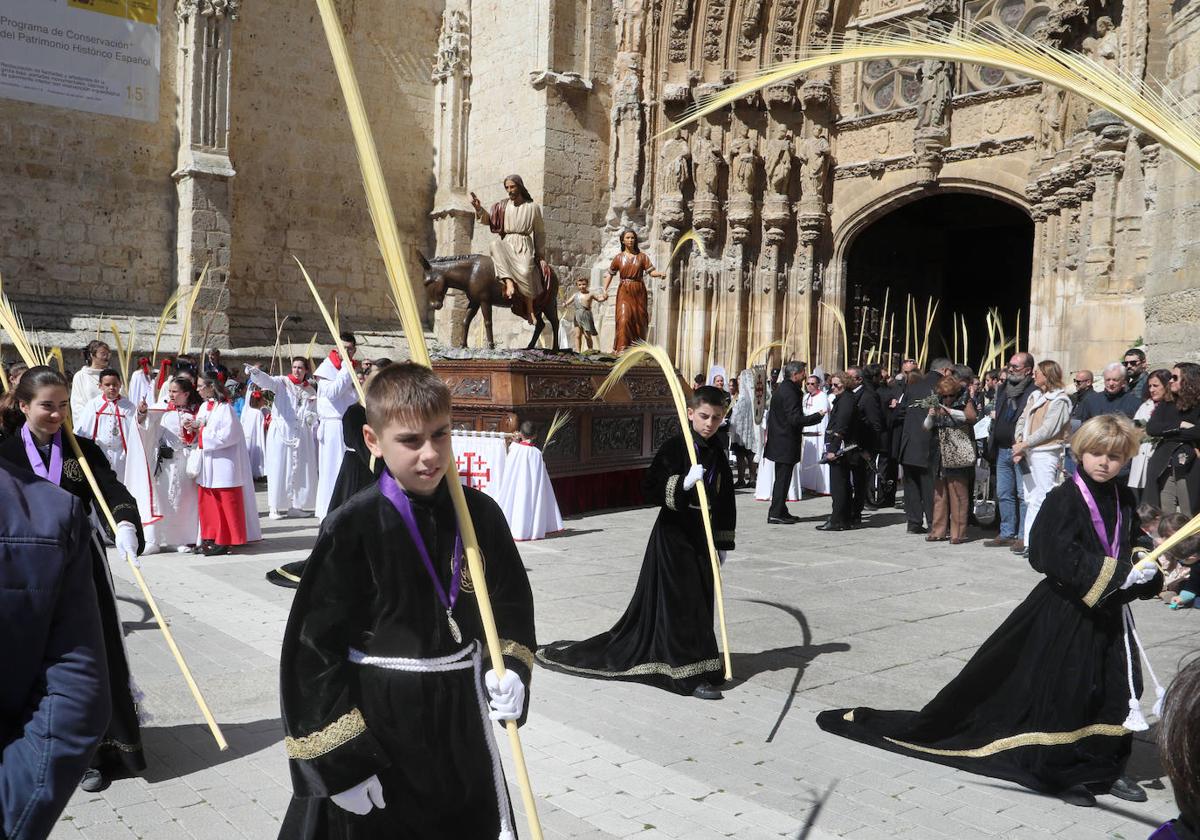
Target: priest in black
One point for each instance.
(34, 440)
(665, 638)
(386, 706)
(1046, 701)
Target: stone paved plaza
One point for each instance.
(816, 621)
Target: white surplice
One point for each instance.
(254, 427)
(335, 394)
(178, 495)
(113, 427)
(225, 461)
(291, 450)
(814, 469)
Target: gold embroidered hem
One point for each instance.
(723, 536)
(1026, 739)
(672, 483)
(680, 672)
(1102, 581)
(286, 575)
(517, 651)
(345, 728)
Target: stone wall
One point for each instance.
(87, 206)
(1172, 289)
(298, 189)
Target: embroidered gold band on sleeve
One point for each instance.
(675, 672)
(669, 498)
(345, 728)
(1102, 580)
(724, 536)
(517, 651)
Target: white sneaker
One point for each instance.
(183, 549)
(277, 515)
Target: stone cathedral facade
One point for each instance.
(846, 193)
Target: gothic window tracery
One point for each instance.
(1026, 16)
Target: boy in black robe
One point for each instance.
(665, 638)
(1050, 700)
(385, 702)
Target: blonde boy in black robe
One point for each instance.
(385, 700)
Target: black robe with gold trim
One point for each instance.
(365, 587)
(665, 638)
(121, 748)
(1043, 700)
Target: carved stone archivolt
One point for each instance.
(470, 387)
(647, 389)
(543, 388)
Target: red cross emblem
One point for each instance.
(476, 471)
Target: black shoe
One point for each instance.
(917, 529)
(830, 526)
(1127, 789)
(775, 520)
(1078, 796)
(704, 691)
(213, 550)
(93, 781)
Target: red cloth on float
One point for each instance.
(222, 515)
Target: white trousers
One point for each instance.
(332, 449)
(1037, 481)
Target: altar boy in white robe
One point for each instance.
(113, 423)
(526, 494)
(291, 441)
(335, 393)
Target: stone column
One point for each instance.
(453, 217)
(203, 172)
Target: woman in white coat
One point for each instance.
(1041, 438)
(228, 512)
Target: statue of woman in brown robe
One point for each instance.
(631, 265)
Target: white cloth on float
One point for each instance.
(335, 393)
(814, 470)
(114, 428)
(254, 427)
(526, 495)
(479, 459)
(178, 495)
(225, 461)
(291, 450)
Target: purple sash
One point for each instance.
(1111, 546)
(395, 494)
(54, 472)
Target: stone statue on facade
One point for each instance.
(625, 154)
(676, 165)
(745, 163)
(779, 160)
(707, 160)
(933, 103)
(631, 16)
(1050, 109)
(1105, 47)
(814, 164)
(452, 44)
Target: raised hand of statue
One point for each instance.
(475, 202)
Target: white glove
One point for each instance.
(361, 798)
(693, 476)
(506, 695)
(1139, 574)
(127, 541)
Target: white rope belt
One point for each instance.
(467, 658)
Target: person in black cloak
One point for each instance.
(665, 638)
(385, 700)
(355, 474)
(1050, 700)
(35, 442)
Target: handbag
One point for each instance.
(956, 447)
(195, 459)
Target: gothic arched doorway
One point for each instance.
(971, 252)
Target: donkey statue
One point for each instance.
(475, 275)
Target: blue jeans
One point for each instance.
(1009, 495)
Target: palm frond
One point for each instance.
(169, 308)
(333, 330)
(561, 418)
(185, 311)
(841, 322)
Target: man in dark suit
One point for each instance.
(846, 438)
(54, 699)
(915, 449)
(785, 419)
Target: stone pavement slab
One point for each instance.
(874, 616)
